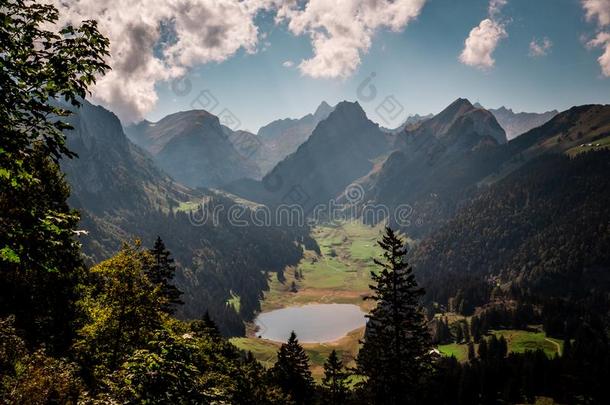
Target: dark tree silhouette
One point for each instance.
(291, 371)
(162, 273)
(334, 383)
(395, 354)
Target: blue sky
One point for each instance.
(418, 66)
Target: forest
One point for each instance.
(116, 331)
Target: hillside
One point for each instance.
(544, 230)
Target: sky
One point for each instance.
(253, 61)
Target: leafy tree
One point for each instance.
(162, 273)
(291, 371)
(334, 383)
(122, 309)
(395, 353)
(39, 258)
(163, 372)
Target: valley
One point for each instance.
(340, 274)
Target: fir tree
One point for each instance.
(291, 371)
(162, 273)
(395, 354)
(334, 382)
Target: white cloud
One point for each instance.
(602, 40)
(540, 48)
(288, 64)
(481, 43)
(483, 39)
(597, 10)
(495, 6)
(158, 40)
(342, 31)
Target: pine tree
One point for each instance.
(483, 352)
(334, 382)
(459, 336)
(466, 331)
(471, 353)
(291, 371)
(162, 273)
(395, 353)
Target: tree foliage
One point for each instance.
(335, 389)
(38, 256)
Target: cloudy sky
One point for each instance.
(253, 61)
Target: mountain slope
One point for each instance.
(569, 131)
(193, 148)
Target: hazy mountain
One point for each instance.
(193, 148)
(342, 148)
(282, 137)
(515, 124)
(111, 174)
(576, 129)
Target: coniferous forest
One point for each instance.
(134, 307)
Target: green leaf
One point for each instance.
(9, 255)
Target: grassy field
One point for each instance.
(603, 143)
(520, 341)
(340, 274)
(459, 351)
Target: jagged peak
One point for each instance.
(349, 107)
(323, 108)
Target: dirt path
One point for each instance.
(557, 345)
